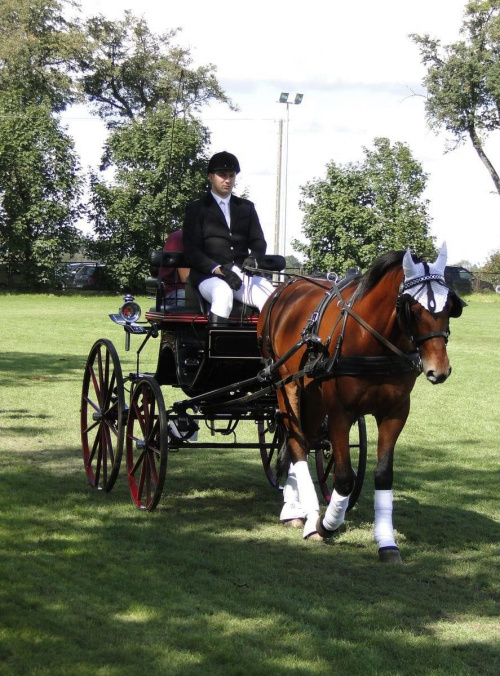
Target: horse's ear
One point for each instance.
(408, 265)
(440, 262)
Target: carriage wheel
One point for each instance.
(272, 436)
(325, 468)
(102, 415)
(147, 444)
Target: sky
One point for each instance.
(360, 76)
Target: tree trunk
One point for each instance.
(478, 146)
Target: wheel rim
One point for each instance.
(272, 436)
(102, 415)
(146, 444)
(325, 464)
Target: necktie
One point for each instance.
(223, 206)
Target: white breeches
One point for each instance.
(254, 292)
(383, 531)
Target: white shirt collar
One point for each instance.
(220, 199)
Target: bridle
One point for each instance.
(406, 301)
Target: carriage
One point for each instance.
(323, 353)
(222, 381)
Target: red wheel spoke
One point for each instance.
(137, 464)
(108, 441)
(147, 444)
(102, 415)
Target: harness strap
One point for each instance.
(374, 333)
(346, 310)
(265, 329)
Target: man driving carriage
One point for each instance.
(222, 236)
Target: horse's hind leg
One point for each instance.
(300, 499)
(334, 516)
(292, 513)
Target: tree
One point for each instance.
(39, 173)
(38, 49)
(363, 209)
(159, 166)
(463, 80)
(293, 264)
(39, 191)
(142, 86)
(491, 269)
(126, 71)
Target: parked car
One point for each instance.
(91, 278)
(458, 278)
(66, 274)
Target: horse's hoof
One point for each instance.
(294, 523)
(324, 532)
(314, 537)
(389, 555)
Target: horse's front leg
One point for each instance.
(299, 494)
(383, 531)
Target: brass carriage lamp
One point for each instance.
(130, 310)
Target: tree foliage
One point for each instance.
(38, 52)
(39, 190)
(159, 165)
(463, 80)
(40, 184)
(361, 210)
(144, 88)
(127, 70)
(492, 267)
(146, 91)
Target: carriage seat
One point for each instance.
(176, 297)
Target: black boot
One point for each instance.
(215, 320)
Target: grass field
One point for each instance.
(211, 583)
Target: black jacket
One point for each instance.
(208, 242)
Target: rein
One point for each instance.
(320, 365)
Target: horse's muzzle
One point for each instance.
(437, 378)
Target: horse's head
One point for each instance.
(425, 305)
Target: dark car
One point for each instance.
(458, 278)
(65, 274)
(91, 278)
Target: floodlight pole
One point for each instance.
(277, 217)
(283, 99)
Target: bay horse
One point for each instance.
(360, 351)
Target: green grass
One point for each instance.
(211, 583)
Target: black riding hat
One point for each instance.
(223, 161)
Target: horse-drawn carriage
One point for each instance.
(323, 354)
(220, 371)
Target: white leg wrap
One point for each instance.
(307, 496)
(383, 530)
(292, 509)
(335, 513)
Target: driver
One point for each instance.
(221, 235)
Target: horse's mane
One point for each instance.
(380, 267)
